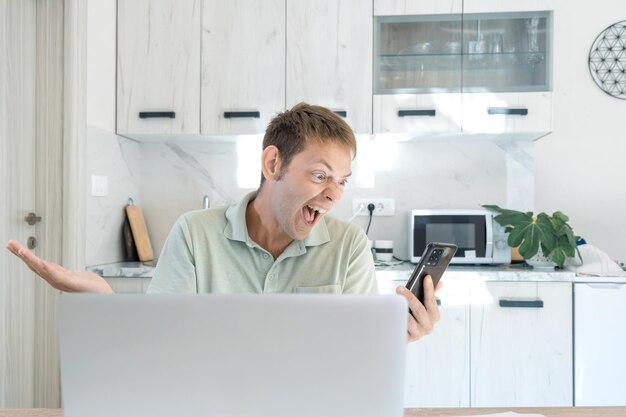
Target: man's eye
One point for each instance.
(343, 183)
(319, 176)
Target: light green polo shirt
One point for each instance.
(210, 251)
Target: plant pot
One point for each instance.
(540, 262)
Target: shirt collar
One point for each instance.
(237, 229)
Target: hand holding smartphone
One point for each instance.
(434, 261)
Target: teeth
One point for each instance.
(318, 209)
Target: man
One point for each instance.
(275, 240)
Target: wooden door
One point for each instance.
(31, 139)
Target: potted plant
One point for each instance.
(537, 235)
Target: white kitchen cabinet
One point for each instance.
(158, 67)
(329, 57)
(521, 344)
(243, 65)
(486, 6)
(507, 113)
(599, 344)
(422, 114)
(486, 70)
(409, 7)
(437, 366)
(220, 67)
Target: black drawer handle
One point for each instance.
(156, 114)
(430, 112)
(241, 114)
(506, 110)
(521, 303)
(341, 113)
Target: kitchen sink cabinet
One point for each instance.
(158, 67)
(329, 57)
(485, 69)
(599, 343)
(521, 344)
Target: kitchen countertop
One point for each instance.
(503, 272)
(124, 269)
(401, 272)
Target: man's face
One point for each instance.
(310, 186)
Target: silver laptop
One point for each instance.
(232, 355)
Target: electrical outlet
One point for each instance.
(382, 206)
(99, 186)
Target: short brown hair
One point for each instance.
(291, 130)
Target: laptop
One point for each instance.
(232, 355)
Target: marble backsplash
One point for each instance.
(168, 179)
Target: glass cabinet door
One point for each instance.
(507, 52)
(487, 52)
(418, 54)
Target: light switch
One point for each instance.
(99, 186)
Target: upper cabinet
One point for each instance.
(158, 67)
(243, 65)
(444, 68)
(215, 67)
(329, 57)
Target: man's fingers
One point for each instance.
(429, 293)
(419, 323)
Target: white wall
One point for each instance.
(107, 155)
(580, 168)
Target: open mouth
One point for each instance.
(312, 213)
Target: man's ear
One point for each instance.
(270, 163)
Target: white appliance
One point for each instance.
(479, 238)
(599, 344)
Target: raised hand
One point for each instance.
(57, 276)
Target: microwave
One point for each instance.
(479, 238)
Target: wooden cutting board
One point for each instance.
(140, 233)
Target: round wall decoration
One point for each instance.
(607, 60)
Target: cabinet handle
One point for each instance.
(521, 303)
(156, 114)
(430, 112)
(341, 113)
(506, 110)
(241, 114)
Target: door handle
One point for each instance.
(32, 218)
(507, 111)
(157, 114)
(242, 114)
(521, 303)
(427, 112)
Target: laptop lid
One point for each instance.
(232, 355)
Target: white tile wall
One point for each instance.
(168, 179)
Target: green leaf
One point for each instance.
(545, 230)
(552, 233)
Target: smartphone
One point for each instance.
(434, 261)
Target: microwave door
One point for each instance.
(470, 232)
